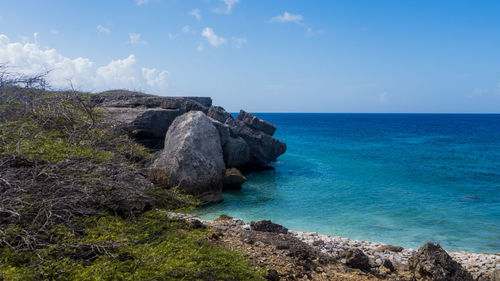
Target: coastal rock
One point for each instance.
(147, 125)
(192, 157)
(263, 147)
(390, 248)
(431, 262)
(268, 226)
(223, 130)
(128, 99)
(233, 179)
(256, 123)
(355, 258)
(218, 113)
(236, 152)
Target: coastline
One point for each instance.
(482, 266)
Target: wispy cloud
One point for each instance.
(85, 74)
(200, 47)
(287, 17)
(382, 97)
(103, 29)
(196, 13)
(212, 38)
(226, 6)
(54, 31)
(135, 38)
(141, 2)
(186, 29)
(480, 91)
(239, 42)
(313, 32)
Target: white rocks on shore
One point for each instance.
(477, 264)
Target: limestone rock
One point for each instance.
(431, 262)
(268, 226)
(233, 179)
(236, 152)
(256, 123)
(223, 130)
(263, 147)
(355, 258)
(192, 157)
(218, 113)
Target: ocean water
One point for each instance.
(401, 179)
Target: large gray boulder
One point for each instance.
(256, 123)
(236, 152)
(147, 125)
(263, 147)
(432, 263)
(223, 130)
(192, 158)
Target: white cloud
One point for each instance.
(186, 29)
(103, 29)
(84, 74)
(54, 31)
(227, 8)
(239, 42)
(312, 32)
(212, 38)
(170, 36)
(135, 38)
(141, 2)
(196, 13)
(287, 17)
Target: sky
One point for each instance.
(428, 56)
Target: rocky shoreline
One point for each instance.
(382, 261)
(479, 265)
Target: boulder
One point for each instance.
(355, 258)
(205, 101)
(147, 125)
(431, 262)
(256, 123)
(390, 248)
(263, 147)
(268, 226)
(234, 179)
(223, 130)
(192, 158)
(218, 113)
(236, 152)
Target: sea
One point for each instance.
(400, 179)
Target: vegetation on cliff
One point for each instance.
(76, 203)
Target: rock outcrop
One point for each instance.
(234, 179)
(431, 262)
(268, 226)
(192, 157)
(256, 123)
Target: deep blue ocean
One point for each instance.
(401, 179)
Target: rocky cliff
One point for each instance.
(196, 141)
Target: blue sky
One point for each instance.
(268, 56)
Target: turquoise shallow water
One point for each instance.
(401, 179)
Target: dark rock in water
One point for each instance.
(431, 262)
(218, 113)
(233, 180)
(390, 248)
(236, 152)
(256, 123)
(355, 258)
(263, 147)
(192, 158)
(268, 226)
